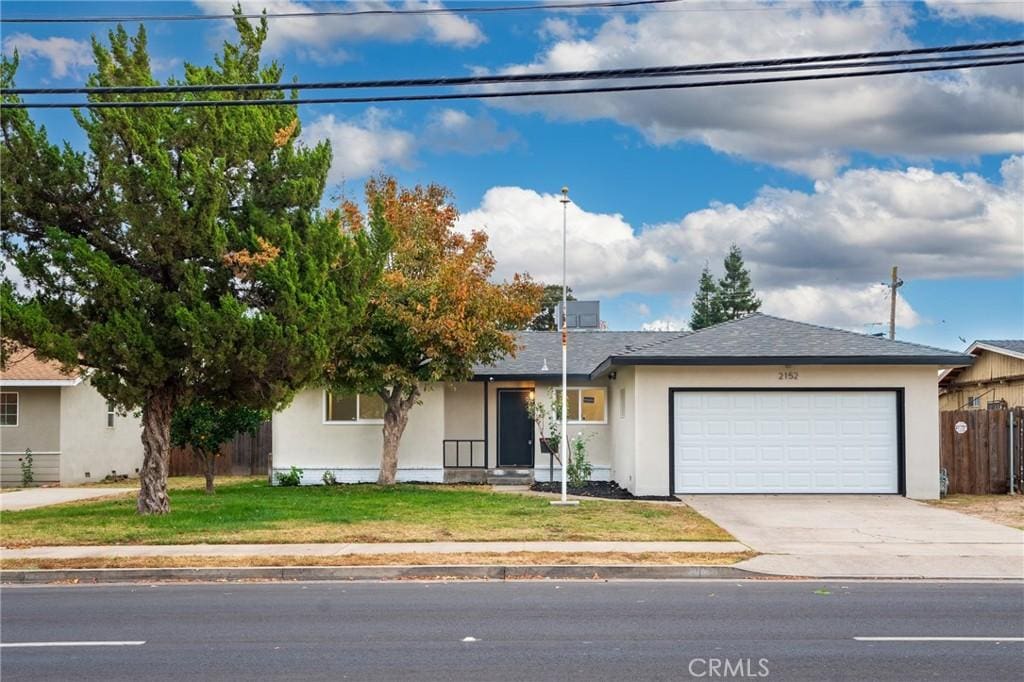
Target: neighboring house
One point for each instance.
(994, 381)
(756, 405)
(74, 435)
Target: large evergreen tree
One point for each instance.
(706, 306)
(736, 295)
(544, 321)
(181, 255)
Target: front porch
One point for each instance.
(490, 436)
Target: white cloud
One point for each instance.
(361, 145)
(456, 131)
(813, 255)
(319, 38)
(811, 128)
(668, 324)
(1010, 10)
(862, 309)
(64, 54)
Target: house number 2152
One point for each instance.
(789, 375)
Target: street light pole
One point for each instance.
(565, 351)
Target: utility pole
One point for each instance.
(563, 444)
(895, 284)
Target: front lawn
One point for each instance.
(1005, 509)
(250, 511)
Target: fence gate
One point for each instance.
(975, 450)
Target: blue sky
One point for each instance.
(824, 186)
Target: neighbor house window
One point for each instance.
(110, 414)
(585, 405)
(974, 401)
(8, 409)
(353, 408)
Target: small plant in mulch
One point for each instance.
(609, 490)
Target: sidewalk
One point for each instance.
(340, 549)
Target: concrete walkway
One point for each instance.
(340, 549)
(30, 498)
(871, 536)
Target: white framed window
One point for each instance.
(974, 401)
(585, 404)
(622, 403)
(110, 414)
(8, 408)
(353, 409)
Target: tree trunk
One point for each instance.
(396, 417)
(156, 447)
(210, 460)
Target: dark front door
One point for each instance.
(515, 428)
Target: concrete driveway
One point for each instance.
(30, 498)
(864, 536)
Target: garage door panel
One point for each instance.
(785, 441)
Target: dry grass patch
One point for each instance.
(250, 511)
(1005, 509)
(414, 559)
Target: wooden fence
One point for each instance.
(975, 450)
(244, 456)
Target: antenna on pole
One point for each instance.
(895, 284)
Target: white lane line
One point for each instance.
(939, 639)
(36, 644)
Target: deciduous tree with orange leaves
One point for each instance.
(435, 312)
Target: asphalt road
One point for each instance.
(522, 631)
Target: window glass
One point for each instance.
(341, 408)
(110, 413)
(8, 409)
(622, 403)
(371, 407)
(573, 406)
(592, 407)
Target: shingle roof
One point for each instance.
(587, 350)
(1012, 345)
(752, 340)
(765, 336)
(23, 365)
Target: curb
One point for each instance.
(268, 573)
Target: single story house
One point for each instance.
(755, 405)
(994, 381)
(75, 435)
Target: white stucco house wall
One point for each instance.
(756, 405)
(74, 435)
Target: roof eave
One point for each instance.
(994, 349)
(935, 360)
(486, 376)
(38, 383)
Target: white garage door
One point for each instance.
(785, 442)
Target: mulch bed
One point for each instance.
(608, 490)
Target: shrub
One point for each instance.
(293, 477)
(579, 471)
(28, 477)
(329, 479)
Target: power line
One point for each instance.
(383, 11)
(712, 68)
(638, 5)
(504, 94)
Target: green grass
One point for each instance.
(250, 511)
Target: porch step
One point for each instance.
(510, 477)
